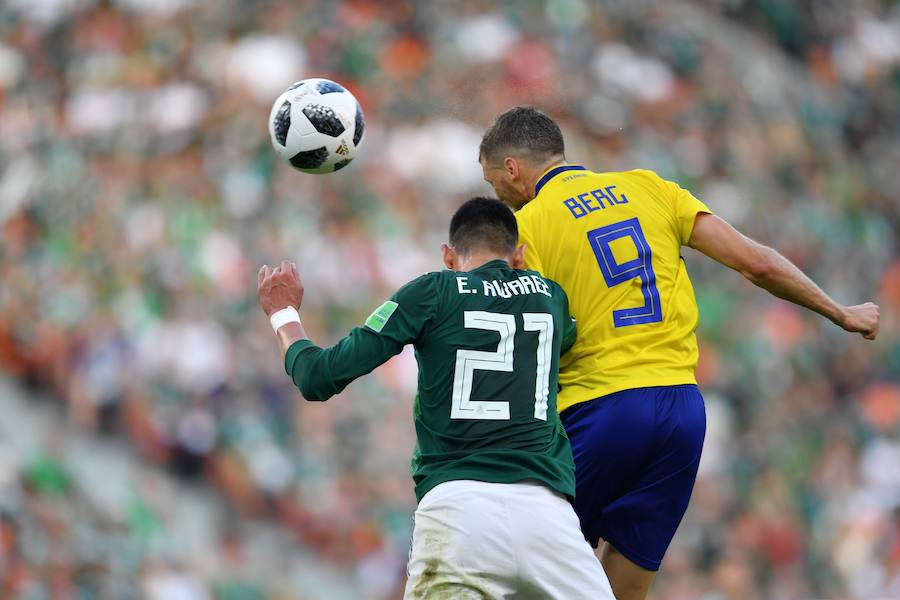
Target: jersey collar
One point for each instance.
(553, 173)
(497, 263)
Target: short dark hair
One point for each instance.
(484, 223)
(524, 130)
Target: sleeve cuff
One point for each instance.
(688, 226)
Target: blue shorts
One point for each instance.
(636, 457)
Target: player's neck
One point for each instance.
(477, 259)
(540, 170)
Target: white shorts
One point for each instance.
(498, 540)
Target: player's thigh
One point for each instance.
(461, 545)
(555, 560)
(641, 523)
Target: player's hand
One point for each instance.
(279, 287)
(861, 319)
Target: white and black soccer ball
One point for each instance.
(316, 126)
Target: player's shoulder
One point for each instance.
(425, 283)
(436, 282)
(555, 290)
(648, 181)
(638, 175)
(532, 272)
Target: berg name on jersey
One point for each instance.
(583, 204)
(525, 284)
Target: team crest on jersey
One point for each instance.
(379, 317)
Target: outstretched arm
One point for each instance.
(320, 373)
(768, 269)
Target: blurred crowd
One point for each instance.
(139, 194)
(56, 542)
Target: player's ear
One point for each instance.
(511, 167)
(451, 260)
(518, 258)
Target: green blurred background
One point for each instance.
(150, 444)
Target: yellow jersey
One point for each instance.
(613, 242)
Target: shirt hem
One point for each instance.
(558, 486)
(605, 390)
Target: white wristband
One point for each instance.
(284, 316)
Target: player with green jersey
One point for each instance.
(492, 467)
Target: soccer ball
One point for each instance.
(316, 126)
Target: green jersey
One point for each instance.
(487, 344)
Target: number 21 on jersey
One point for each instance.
(467, 361)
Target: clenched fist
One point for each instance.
(279, 287)
(862, 319)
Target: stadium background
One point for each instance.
(151, 445)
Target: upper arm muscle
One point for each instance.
(720, 241)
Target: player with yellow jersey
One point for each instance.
(624, 262)
(628, 395)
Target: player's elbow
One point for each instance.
(313, 387)
(315, 397)
(312, 392)
(760, 266)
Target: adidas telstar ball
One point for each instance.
(316, 126)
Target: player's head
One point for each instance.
(482, 229)
(521, 144)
